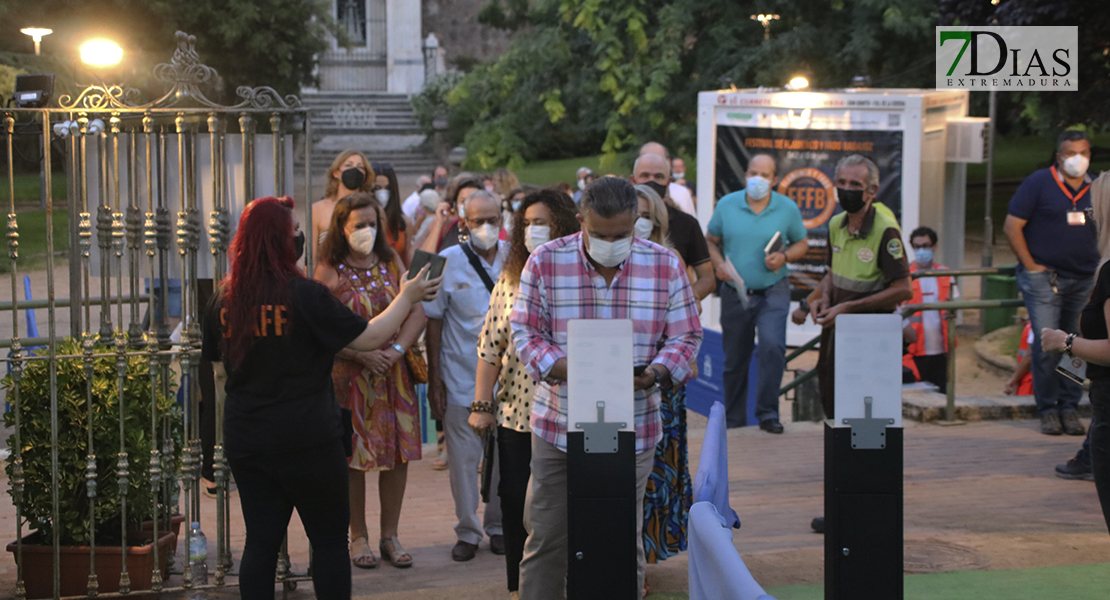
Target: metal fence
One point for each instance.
(910, 309)
(141, 181)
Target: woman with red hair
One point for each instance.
(272, 335)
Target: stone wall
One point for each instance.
(463, 39)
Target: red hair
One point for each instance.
(264, 263)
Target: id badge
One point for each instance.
(1077, 217)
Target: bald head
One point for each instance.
(651, 167)
(762, 165)
(655, 148)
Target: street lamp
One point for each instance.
(765, 20)
(36, 33)
(101, 53)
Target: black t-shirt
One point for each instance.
(1092, 321)
(685, 234)
(281, 398)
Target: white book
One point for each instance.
(775, 245)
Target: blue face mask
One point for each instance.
(757, 188)
(923, 256)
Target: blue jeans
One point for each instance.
(1056, 310)
(767, 314)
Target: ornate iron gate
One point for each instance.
(140, 179)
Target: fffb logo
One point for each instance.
(1008, 58)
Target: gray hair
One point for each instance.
(482, 193)
(1071, 135)
(609, 197)
(859, 159)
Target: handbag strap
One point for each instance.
(477, 264)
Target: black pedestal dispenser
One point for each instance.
(863, 509)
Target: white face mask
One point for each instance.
(610, 254)
(1076, 165)
(643, 228)
(484, 237)
(536, 236)
(681, 175)
(462, 211)
(382, 195)
(362, 240)
(507, 219)
(581, 184)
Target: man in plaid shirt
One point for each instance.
(601, 273)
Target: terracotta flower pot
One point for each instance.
(38, 566)
(146, 529)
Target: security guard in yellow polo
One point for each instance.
(868, 272)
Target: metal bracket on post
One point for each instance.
(867, 433)
(601, 437)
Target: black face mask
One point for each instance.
(352, 178)
(658, 188)
(298, 244)
(441, 182)
(850, 200)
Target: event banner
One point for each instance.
(806, 165)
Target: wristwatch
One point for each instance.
(398, 348)
(661, 381)
(1067, 344)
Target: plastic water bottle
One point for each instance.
(198, 554)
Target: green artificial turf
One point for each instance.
(1073, 582)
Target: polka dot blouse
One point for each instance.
(495, 346)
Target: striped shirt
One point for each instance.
(559, 285)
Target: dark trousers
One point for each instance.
(312, 480)
(767, 313)
(515, 455)
(934, 369)
(1100, 443)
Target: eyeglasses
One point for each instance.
(480, 222)
(922, 247)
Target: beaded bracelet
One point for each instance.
(483, 406)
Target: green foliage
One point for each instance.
(590, 75)
(33, 406)
(7, 80)
(249, 42)
(32, 233)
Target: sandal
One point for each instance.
(364, 558)
(392, 551)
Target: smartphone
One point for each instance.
(1073, 368)
(421, 258)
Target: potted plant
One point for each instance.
(76, 509)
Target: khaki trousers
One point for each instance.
(543, 570)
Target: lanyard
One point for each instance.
(1063, 188)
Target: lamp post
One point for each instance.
(765, 20)
(431, 56)
(36, 33)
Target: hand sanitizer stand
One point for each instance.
(863, 462)
(601, 461)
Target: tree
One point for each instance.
(593, 75)
(249, 42)
(1047, 113)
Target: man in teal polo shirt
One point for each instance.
(743, 225)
